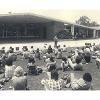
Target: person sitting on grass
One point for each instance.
(50, 50)
(47, 56)
(32, 50)
(59, 54)
(9, 68)
(83, 83)
(37, 54)
(54, 83)
(64, 49)
(87, 55)
(31, 66)
(19, 80)
(77, 65)
(51, 65)
(64, 63)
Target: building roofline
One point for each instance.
(49, 18)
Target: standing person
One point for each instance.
(55, 41)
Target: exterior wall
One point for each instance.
(53, 28)
(49, 30)
(58, 26)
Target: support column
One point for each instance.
(87, 33)
(72, 30)
(3, 30)
(25, 30)
(97, 34)
(94, 33)
(6, 30)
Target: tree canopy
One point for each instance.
(84, 20)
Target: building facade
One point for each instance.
(29, 26)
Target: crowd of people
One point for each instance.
(73, 61)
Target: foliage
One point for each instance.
(84, 20)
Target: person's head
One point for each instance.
(54, 75)
(87, 77)
(31, 60)
(17, 48)
(52, 59)
(18, 71)
(49, 46)
(64, 59)
(9, 61)
(78, 59)
(3, 48)
(31, 47)
(37, 50)
(59, 50)
(52, 67)
(93, 44)
(64, 45)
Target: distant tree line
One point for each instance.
(84, 20)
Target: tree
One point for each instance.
(93, 23)
(84, 20)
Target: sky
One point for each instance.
(68, 10)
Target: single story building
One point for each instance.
(32, 26)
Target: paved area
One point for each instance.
(68, 43)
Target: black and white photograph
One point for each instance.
(44, 49)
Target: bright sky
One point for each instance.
(69, 10)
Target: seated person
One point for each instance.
(33, 69)
(50, 50)
(51, 65)
(64, 63)
(25, 48)
(54, 83)
(37, 54)
(19, 81)
(74, 55)
(31, 66)
(87, 57)
(32, 50)
(2, 66)
(77, 65)
(9, 68)
(64, 49)
(59, 54)
(82, 83)
(47, 56)
(3, 50)
(44, 50)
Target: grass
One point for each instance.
(34, 82)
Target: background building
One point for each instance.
(31, 26)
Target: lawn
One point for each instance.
(34, 82)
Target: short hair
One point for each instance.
(31, 46)
(52, 59)
(9, 61)
(52, 67)
(54, 75)
(78, 59)
(87, 77)
(64, 58)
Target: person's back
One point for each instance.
(19, 83)
(82, 83)
(78, 66)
